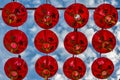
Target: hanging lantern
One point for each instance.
(102, 68)
(14, 14)
(74, 68)
(46, 66)
(46, 16)
(75, 43)
(46, 41)
(15, 41)
(76, 15)
(105, 16)
(16, 68)
(103, 41)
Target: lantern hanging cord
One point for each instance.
(13, 0)
(104, 1)
(75, 1)
(103, 28)
(73, 55)
(75, 29)
(46, 1)
(19, 56)
(100, 54)
(17, 28)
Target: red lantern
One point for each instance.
(75, 42)
(14, 14)
(15, 41)
(74, 68)
(103, 41)
(106, 16)
(46, 41)
(46, 16)
(46, 66)
(16, 68)
(102, 68)
(76, 15)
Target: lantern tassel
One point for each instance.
(11, 78)
(46, 78)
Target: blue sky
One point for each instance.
(31, 54)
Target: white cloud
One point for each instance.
(35, 58)
(36, 2)
(114, 2)
(2, 77)
(91, 2)
(34, 29)
(61, 45)
(118, 74)
(59, 76)
(89, 76)
(61, 32)
(56, 3)
(27, 5)
(112, 56)
(89, 33)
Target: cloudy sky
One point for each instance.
(31, 54)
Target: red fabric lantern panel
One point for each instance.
(74, 68)
(76, 15)
(16, 68)
(103, 41)
(46, 16)
(102, 68)
(14, 14)
(46, 41)
(15, 41)
(46, 66)
(105, 16)
(75, 43)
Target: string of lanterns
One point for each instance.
(76, 16)
(14, 14)
(103, 41)
(46, 41)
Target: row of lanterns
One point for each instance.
(76, 16)
(15, 41)
(46, 41)
(104, 41)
